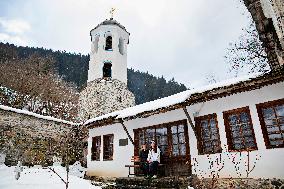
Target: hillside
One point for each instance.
(74, 68)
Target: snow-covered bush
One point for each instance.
(2, 158)
(57, 161)
(77, 170)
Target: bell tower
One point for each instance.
(106, 89)
(108, 57)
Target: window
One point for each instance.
(108, 46)
(271, 117)
(171, 138)
(208, 137)
(108, 147)
(162, 138)
(107, 70)
(178, 140)
(96, 148)
(239, 130)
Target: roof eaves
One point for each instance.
(156, 111)
(39, 116)
(102, 122)
(271, 78)
(214, 93)
(113, 23)
(248, 85)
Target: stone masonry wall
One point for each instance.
(31, 139)
(275, 9)
(267, 33)
(103, 96)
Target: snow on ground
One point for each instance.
(39, 178)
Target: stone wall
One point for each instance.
(236, 183)
(186, 183)
(275, 9)
(267, 32)
(33, 140)
(103, 96)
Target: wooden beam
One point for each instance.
(189, 120)
(125, 129)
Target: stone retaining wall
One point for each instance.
(185, 182)
(31, 139)
(237, 183)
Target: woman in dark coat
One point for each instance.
(143, 155)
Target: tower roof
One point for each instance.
(111, 21)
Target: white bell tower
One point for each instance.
(106, 89)
(108, 57)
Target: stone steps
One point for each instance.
(161, 183)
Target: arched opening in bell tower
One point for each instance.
(96, 44)
(121, 46)
(107, 69)
(108, 43)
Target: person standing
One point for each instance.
(143, 155)
(154, 159)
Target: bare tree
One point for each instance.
(216, 164)
(38, 88)
(66, 154)
(211, 78)
(247, 54)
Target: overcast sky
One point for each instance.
(184, 39)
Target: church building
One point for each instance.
(234, 128)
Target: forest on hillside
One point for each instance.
(73, 68)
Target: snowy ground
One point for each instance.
(39, 178)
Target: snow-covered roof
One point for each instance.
(170, 100)
(7, 108)
(111, 21)
(105, 116)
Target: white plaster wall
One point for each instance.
(121, 156)
(271, 159)
(97, 59)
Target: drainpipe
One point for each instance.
(189, 120)
(125, 129)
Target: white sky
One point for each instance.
(184, 39)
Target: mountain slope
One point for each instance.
(74, 68)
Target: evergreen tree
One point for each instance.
(73, 68)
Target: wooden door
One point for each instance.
(172, 139)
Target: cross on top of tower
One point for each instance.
(111, 13)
